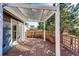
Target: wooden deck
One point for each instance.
(36, 47)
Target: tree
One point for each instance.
(68, 16)
(41, 25)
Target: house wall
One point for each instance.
(7, 32)
(1, 28)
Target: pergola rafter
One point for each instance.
(28, 11)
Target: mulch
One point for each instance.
(35, 47)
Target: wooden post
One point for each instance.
(57, 30)
(23, 30)
(1, 28)
(44, 32)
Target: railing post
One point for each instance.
(57, 30)
(1, 28)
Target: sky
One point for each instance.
(42, 4)
(33, 23)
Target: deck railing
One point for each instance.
(71, 42)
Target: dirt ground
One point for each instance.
(35, 47)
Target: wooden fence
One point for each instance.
(40, 34)
(71, 42)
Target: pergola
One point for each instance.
(33, 13)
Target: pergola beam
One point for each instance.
(21, 5)
(44, 32)
(50, 15)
